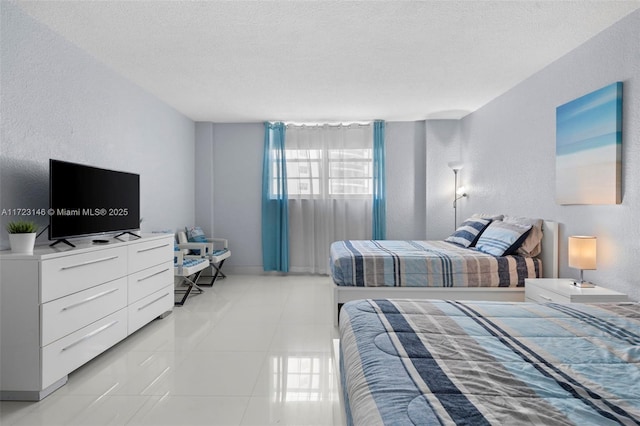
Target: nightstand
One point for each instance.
(559, 290)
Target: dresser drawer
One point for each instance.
(65, 355)
(150, 307)
(70, 274)
(150, 253)
(143, 283)
(541, 295)
(67, 314)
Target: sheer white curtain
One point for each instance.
(329, 174)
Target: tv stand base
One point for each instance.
(62, 240)
(127, 232)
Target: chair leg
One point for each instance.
(191, 285)
(216, 275)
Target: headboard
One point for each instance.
(549, 254)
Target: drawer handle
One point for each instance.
(152, 248)
(153, 275)
(153, 301)
(546, 298)
(90, 335)
(89, 299)
(90, 262)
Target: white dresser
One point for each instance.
(62, 306)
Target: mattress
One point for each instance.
(410, 362)
(372, 263)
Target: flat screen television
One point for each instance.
(86, 200)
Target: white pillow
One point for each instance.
(487, 216)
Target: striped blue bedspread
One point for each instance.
(410, 362)
(369, 263)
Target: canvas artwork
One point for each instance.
(589, 147)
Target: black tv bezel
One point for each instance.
(97, 232)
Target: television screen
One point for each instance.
(85, 200)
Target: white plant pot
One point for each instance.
(22, 243)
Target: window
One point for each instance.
(303, 171)
(334, 173)
(325, 162)
(318, 187)
(350, 172)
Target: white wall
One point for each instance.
(406, 180)
(235, 181)
(235, 184)
(443, 146)
(508, 148)
(59, 102)
(204, 178)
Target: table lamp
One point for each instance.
(582, 255)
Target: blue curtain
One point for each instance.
(379, 183)
(275, 208)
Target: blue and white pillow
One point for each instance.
(468, 233)
(195, 234)
(502, 238)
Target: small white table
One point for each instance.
(543, 290)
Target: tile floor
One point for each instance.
(252, 350)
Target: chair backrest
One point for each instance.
(178, 258)
(182, 239)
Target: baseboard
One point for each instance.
(257, 270)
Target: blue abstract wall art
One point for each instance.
(589, 148)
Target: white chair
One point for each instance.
(215, 250)
(186, 269)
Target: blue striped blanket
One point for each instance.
(410, 362)
(389, 263)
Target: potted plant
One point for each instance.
(22, 236)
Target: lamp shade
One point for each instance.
(582, 252)
(455, 165)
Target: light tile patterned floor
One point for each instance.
(252, 350)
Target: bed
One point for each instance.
(430, 362)
(448, 276)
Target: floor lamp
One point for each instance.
(458, 193)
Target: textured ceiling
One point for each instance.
(239, 61)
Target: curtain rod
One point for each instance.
(318, 125)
